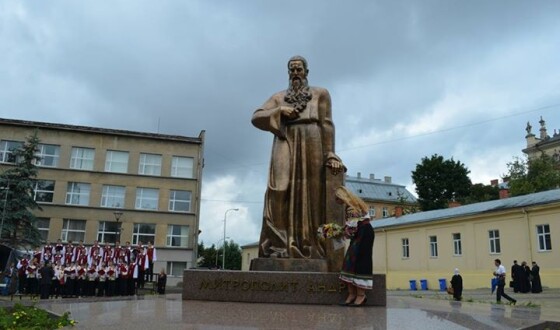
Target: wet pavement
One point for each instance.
(405, 310)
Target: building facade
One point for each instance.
(430, 245)
(98, 184)
(544, 144)
(384, 198)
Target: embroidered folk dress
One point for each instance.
(358, 265)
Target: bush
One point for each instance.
(31, 317)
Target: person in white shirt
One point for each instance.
(500, 274)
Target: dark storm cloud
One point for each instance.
(408, 79)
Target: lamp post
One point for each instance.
(118, 215)
(218, 243)
(7, 190)
(224, 253)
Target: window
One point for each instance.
(457, 249)
(176, 268)
(177, 235)
(494, 237)
(147, 198)
(143, 232)
(371, 212)
(116, 161)
(73, 230)
(385, 212)
(112, 196)
(433, 247)
(7, 149)
(48, 155)
(77, 193)
(405, 248)
(150, 164)
(180, 201)
(182, 167)
(82, 158)
(108, 230)
(543, 236)
(43, 191)
(43, 225)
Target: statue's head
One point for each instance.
(298, 58)
(297, 69)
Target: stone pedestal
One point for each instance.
(274, 287)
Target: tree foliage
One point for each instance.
(527, 176)
(212, 257)
(439, 181)
(482, 193)
(19, 224)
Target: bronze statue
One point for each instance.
(303, 148)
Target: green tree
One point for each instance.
(213, 257)
(482, 193)
(18, 222)
(439, 181)
(527, 176)
(206, 256)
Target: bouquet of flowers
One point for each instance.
(331, 231)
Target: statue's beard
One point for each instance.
(298, 94)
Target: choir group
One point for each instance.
(80, 271)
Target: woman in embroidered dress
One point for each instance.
(357, 267)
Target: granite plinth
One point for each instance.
(289, 265)
(274, 287)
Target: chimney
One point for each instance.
(398, 211)
(494, 182)
(359, 175)
(504, 193)
(452, 204)
(372, 176)
(387, 179)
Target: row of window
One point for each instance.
(115, 161)
(107, 232)
(78, 193)
(543, 241)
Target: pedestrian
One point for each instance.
(161, 282)
(47, 273)
(10, 275)
(515, 273)
(525, 281)
(536, 286)
(500, 274)
(457, 285)
(357, 266)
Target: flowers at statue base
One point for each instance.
(331, 231)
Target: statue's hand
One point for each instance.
(335, 166)
(288, 112)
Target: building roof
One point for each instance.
(378, 190)
(250, 245)
(36, 124)
(541, 198)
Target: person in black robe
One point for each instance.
(515, 271)
(457, 285)
(524, 281)
(161, 282)
(47, 273)
(536, 278)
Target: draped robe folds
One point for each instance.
(294, 206)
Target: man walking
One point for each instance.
(500, 274)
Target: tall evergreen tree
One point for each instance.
(18, 222)
(439, 181)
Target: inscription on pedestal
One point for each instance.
(274, 287)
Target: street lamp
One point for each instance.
(7, 190)
(224, 254)
(118, 215)
(218, 243)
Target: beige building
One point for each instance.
(248, 253)
(430, 245)
(544, 144)
(96, 183)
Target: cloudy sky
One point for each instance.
(408, 79)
